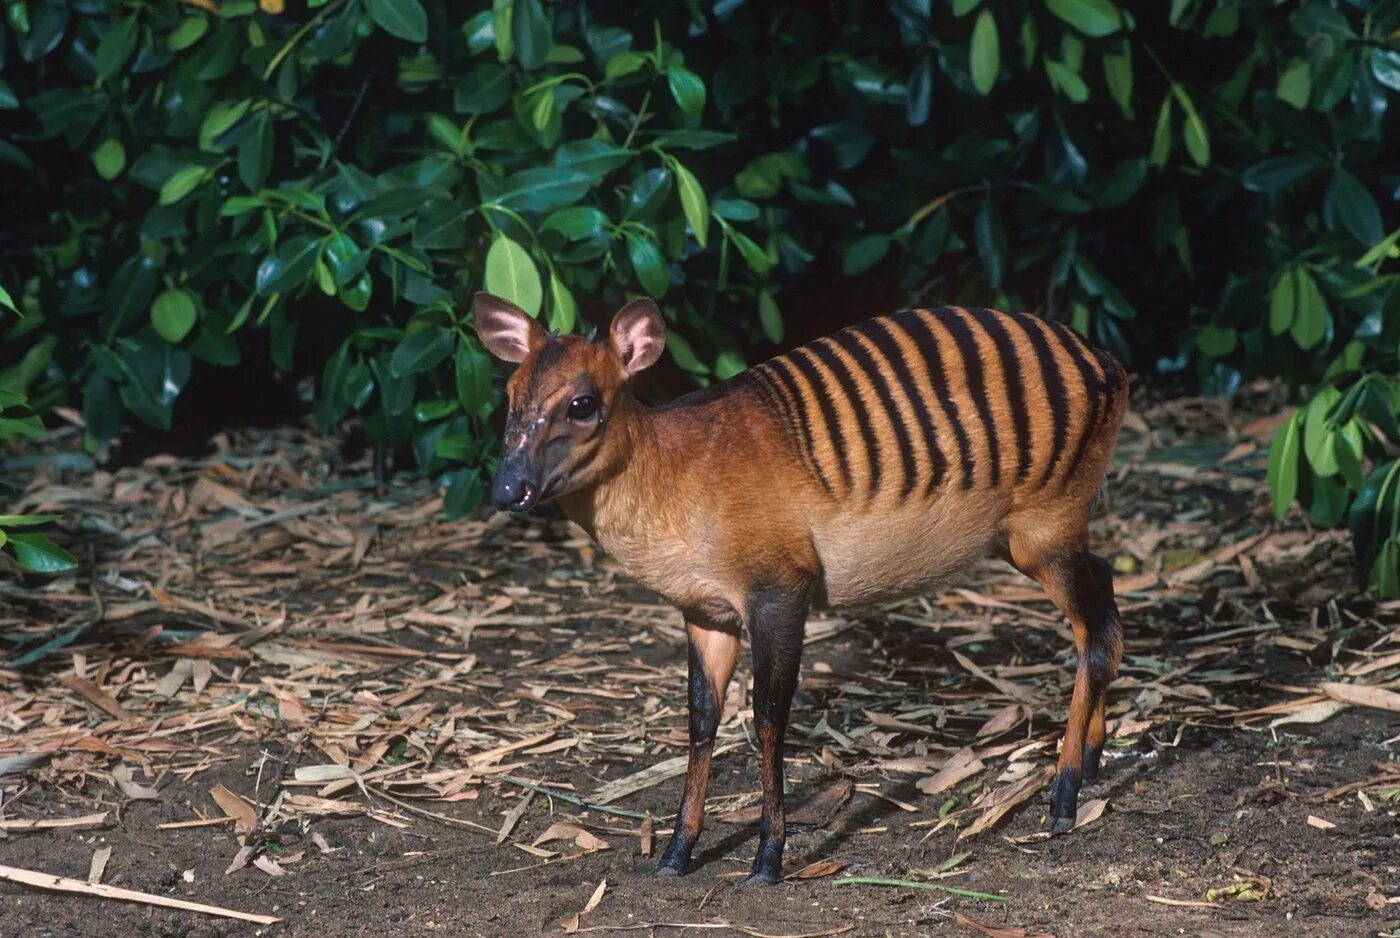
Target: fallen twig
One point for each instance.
(64, 884)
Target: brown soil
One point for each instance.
(1208, 806)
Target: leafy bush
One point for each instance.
(32, 549)
(1337, 455)
(359, 170)
(1197, 185)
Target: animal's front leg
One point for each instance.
(713, 651)
(776, 622)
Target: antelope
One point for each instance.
(868, 465)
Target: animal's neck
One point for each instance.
(622, 490)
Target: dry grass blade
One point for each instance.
(1377, 698)
(86, 822)
(646, 778)
(64, 884)
(244, 817)
(1005, 799)
(960, 767)
(994, 931)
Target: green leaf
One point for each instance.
(648, 264)
(1193, 130)
(464, 493)
(255, 152)
(1354, 206)
(1118, 75)
(191, 30)
(181, 183)
(1318, 432)
(483, 89)
(1283, 300)
(1067, 80)
(544, 189)
(1279, 172)
(472, 378)
(757, 259)
(1283, 465)
(402, 18)
(37, 552)
(770, 317)
(991, 241)
(1295, 84)
(1385, 65)
(687, 89)
(8, 302)
(985, 54)
(918, 103)
(109, 158)
(1376, 511)
(625, 63)
(563, 311)
(218, 120)
(25, 521)
(1385, 572)
(1095, 18)
(512, 275)
(529, 28)
(174, 314)
(441, 225)
(543, 109)
(736, 209)
(864, 253)
(421, 351)
(1162, 136)
(1311, 316)
(116, 46)
(693, 202)
(577, 223)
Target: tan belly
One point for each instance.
(873, 555)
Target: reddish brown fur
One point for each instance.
(742, 490)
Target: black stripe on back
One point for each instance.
(1097, 391)
(837, 366)
(870, 370)
(918, 332)
(771, 394)
(786, 387)
(877, 331)
(995, 325)
(1054, 390)
(961, 332)
(802, 360)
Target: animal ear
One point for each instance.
(638, 335)
(505, 329)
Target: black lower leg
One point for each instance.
(1091, 608)
(776, 620)
(704, 720)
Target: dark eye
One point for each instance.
(582, 408)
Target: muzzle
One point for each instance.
(515, 487)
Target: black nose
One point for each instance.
(513, 491)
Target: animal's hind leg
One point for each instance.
(1081, 585)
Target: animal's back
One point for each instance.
(930, 435)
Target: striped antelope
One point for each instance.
(873, 463)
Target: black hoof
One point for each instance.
(1061, 825)
(665, 870)
(760, 878)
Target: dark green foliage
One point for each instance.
(1203, 186)
(205, 184)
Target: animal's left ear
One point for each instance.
(638, 335)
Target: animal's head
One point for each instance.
(561, 396)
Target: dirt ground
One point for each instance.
(360, 681)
